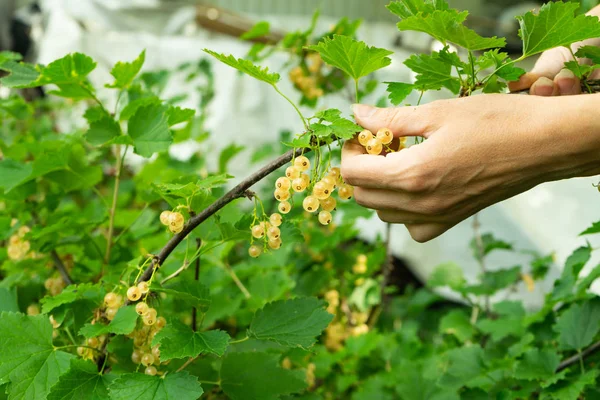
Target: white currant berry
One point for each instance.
(334, 173)
(147, 359)
(275, 219)
(329, 181)
(299, 185)
(284, 207)
(273, 232)
(258, 231)
(328, 204)
(136, 356)
(141, 308)
(359, 268)
(385, 135)
(283, 183)
(275, 243)
(364, 137)
(374, 147)
(176, 219)
(281, 195)
(110, 313)
(254, 251)
(321, 190)
(111, 299)
(165, 217)
(310, 204)
(143, 286)
(292, 172)
(176, 229)
(302, 163)
(93, 342)
(134, 293)
(325, 217)
(345, 191)
(161, 322)
(150, 370)
(361, 259)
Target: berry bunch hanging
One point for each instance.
(308, 77)
(18, 247)
(173, 220)
(381, 141)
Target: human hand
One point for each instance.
(479, 150)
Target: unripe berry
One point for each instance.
(299, 185)
(325, 217)
(310, 204)
(147, 359)
(328, 204)
(141, 308)
(284, 207)
(321, 191)
(385, 135)
(275, 243)
(281, 195)
(165, 217)
(143, 286)
(275, 219)
(365, 136)
(110, 313)
(374, 147)
(134, 293)
(283, 183)
(136, 356)
(292, 172)
(150, 370)
(345, 191)
(302, 163)
(273, 232)
(258, 231)
(111, 299)
(254, 251)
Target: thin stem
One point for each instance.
(237, 281)
(356, 92)
(386, 271)
(293, 105)
(239, 341)
(130, 225)
(583, 81)
(76, 346)
(581, 361)
(472, 71)
(70, 335)
(480, 255)
(62, 270)
(578, 357)
(188, 362)
(115, 197)
(511, 62)
(196, 277)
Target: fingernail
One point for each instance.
(543, 87)
(363, 111)
(566, 73)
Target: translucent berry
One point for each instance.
(273, 232)
(299, 185)
(81, 351)
(93, 342)
(161, 322)
(361, 259)
(150, 370)
(284, 207)
(385, 135)
(325, 217)
(151, 312)
(149, 320)
(275, 243)
(176, 219)
(374, 147)
(111, 299)
(329, 181)
(275, 219)
(364, 137)
(143, 286)
(345, 191)
(33, 309)
(283, 183)
(292, 172)
(136, 356)
(321, 190)
(176, 229)
(254, 251)
(165, 217)
(53, 322)
(359, 268)
(310, 204)
(281, 195)
(258, 231)
(156, 352)
(147, 359)
(302, 163)
(328, 204)
(141, 308)
(134, 293)
(306, 179)
(334, 172)
(110, 313)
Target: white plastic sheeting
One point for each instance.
(546, 219)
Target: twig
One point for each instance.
(576, 358)
(62, 270)
(237, 192)
(196, 277)
(111, 222)
(188, 362)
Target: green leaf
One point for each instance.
(595, 228)
(578, 326)
(571, 389)
(125, 72)
(398, 91)
(554, 25)
(573, 266)
(410, 8)
(72, 293)
(17, 107)
(81, 381)
(149, 130)
(489, 244)
(8, 300)
(464, 364)
(591, 52)
(449, 274)
(432, 73)
(457, 323)
(123, 324)
(9, 56)
(178, 340)
(177, 115)
(447, 25)
(134, 105)
(247, 67)
(192, 292)
(257, 376)
(344, 128)
(500, 61)
(13, 174)
(537, 364)
(21, 75)
(351, 56)
(493, 281)
(259, 29)
(70, 75)
(293, 323)
(27, 358)
(103, 131)
(172, 386)
(227, 154)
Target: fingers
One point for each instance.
(403, 121)
(425, 232)
(361, 169)
(544, 87)
(567, 83)
(525, 82)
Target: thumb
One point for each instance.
(402, 121)
(550, 63)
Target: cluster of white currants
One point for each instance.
(173, 220)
